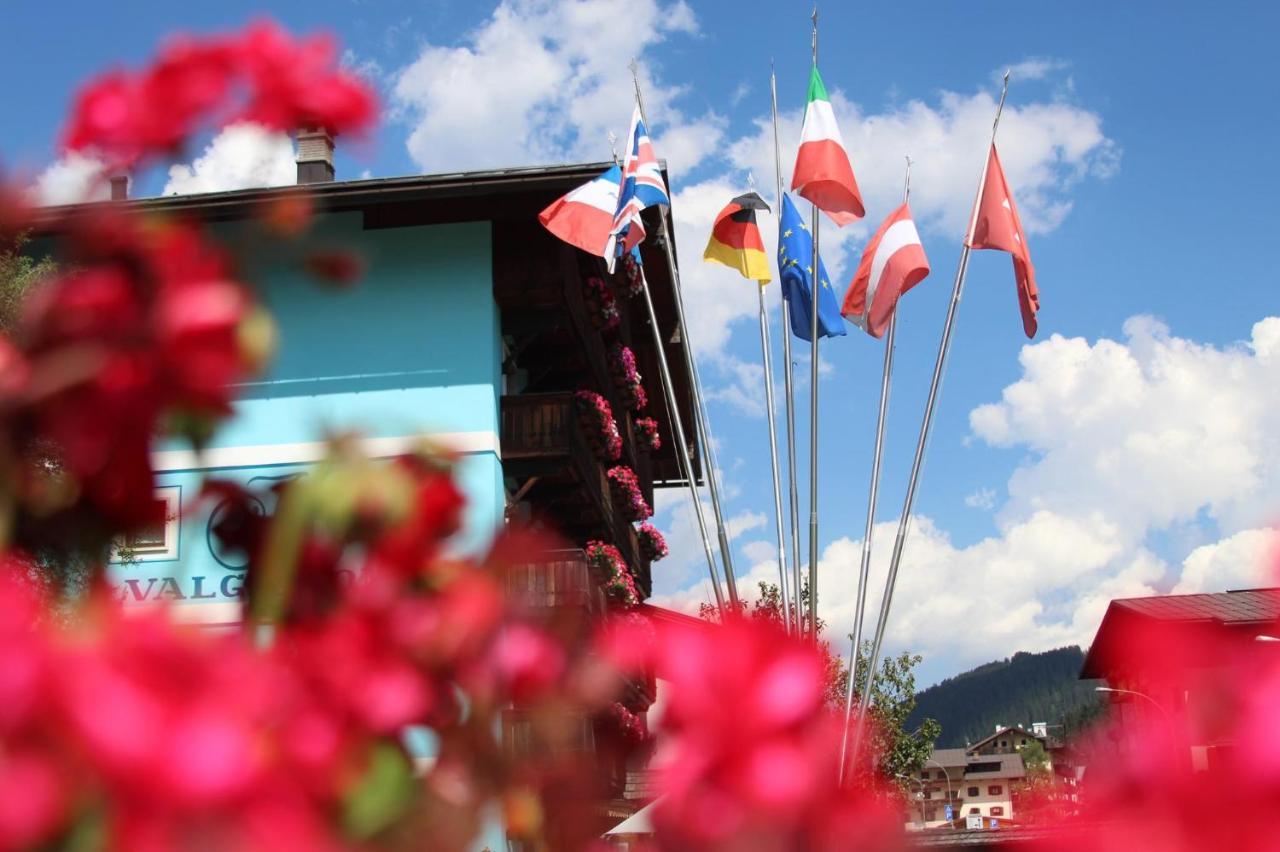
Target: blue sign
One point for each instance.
(947, 811)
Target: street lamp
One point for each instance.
(920, 798)
(947, 776)
(1156, 704)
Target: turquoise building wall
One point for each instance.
(413, 349)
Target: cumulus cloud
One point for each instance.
(1127, 441)
(239, 157)
(983, 498)
(1162, 426)
(556, 83)
(73, 179)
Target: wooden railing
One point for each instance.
(543, 428)
(556, 578)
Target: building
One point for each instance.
(1163, 659)
(472, 326)
(971, 783)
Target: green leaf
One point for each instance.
(382, 795)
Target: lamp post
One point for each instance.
(947, 777)
(919, 799)
(1167, 718)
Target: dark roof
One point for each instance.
(955, 758)
(1238, 607)
(982, 742)
(1239, 611)
(352, 194)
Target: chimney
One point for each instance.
(119, 187)
(315, 155)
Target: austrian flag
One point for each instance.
(893, 263)
(823, 174)
(996, 226)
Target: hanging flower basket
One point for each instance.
(632, 726)
(633, 275)
(619, 585)
(646, 432)
(626, 490)
(652, 544)
(596, 419)
(602, 307)
(622, 367)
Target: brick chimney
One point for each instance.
(315, 155)
(119, 187)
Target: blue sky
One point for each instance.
(1132, 447)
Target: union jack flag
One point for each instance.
(642, 186)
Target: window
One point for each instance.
(1004, 744)
(155, 542)
(997, 811)
(1022, 741)
(973, 791)
(975, 811)
(942, 776)
(924, 775)
(994, 790)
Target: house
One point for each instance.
(473, 327)
(973, 784)
(1163, 657)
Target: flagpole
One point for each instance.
(935, 385)
(813, 402)
(701, 421)
(682, 446)
(773, 457)
(865, 569)
(794, 492)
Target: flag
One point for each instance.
(998, 227)
(735, 238)
(642, 186)
(795, 271)
(584, 216)
(892, 263)
(823, 174)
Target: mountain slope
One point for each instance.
(1022, 689)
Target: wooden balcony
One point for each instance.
(543, 448)
(554, 579)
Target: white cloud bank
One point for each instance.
(241, 156)
(1129, 439)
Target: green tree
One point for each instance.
(893, 694)
(19, 273)
(1036, 760)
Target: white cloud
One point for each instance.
(1129, 442)
(1246, 560)
(1031, 68)
(1160, 427)
(73, 179)
(555, 82)
(239, 157)
(983, 498)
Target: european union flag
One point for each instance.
(795, 271)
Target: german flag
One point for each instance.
(735, 238)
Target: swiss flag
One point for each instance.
(998, 227)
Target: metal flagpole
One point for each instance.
(701, 421)
(922, 443)
(773, 457)
(815, 287)
(794, 491)
(682, 446)
(865, 569)
(773, 448)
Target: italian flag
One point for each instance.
(823, 174)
